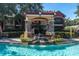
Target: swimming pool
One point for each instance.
(39, 50)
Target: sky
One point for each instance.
(66, 8)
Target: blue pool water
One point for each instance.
(39, 50)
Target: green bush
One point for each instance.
(26, 39)
(23, 40)
(70, 27)
(65, 34)
(58, 40)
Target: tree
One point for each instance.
(76, 21)
(67, 22)
(77, 11)
(30, 7)
(18, 8)
(21, 8)
(7, 9)
(73, 22)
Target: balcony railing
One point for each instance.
(58, 24)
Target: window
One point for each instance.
(58, 21)
(9, 24)
(58, 28)
(19, 24)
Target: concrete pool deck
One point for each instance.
(18, 40)
(75, 39)
(10, 40)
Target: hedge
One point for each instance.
(65, 34)
(13, 34)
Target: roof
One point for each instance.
(56, 13)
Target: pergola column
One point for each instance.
(26, 28)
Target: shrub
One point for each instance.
(58, 40)
(64, 34)
(25, 39)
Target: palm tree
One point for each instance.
(77, 11)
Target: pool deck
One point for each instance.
(18, 41)
(75, 39)
(10, 40)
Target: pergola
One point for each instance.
(45, 17)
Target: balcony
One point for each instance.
(58, 24)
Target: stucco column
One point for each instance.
(53, 30)
(26, 28)
(51, 27)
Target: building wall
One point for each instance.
(46, 19)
